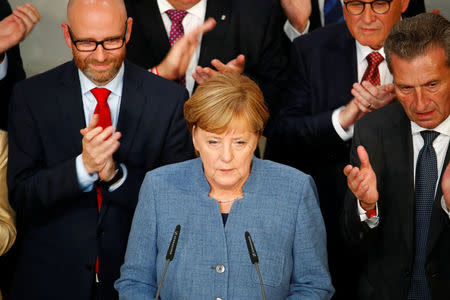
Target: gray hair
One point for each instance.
(413, 37)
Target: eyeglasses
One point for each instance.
(356, 7)
(89, 46)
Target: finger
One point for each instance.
(361, 103)
(94, 121)
(348, 169)
(370, 88)
(364, 93)
(363, 157)
(240, 60)
(18, 12)
(105, 134)
(91, 134)
(30, 12)
(195, 33)
(388, 88)
(221, 67)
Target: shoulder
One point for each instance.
(177, 174)
(150, 83)
(52, 77)
(331, 36)
(272, 175)
(382, 118)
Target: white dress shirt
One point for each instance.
(86, 180)
(4, 67)
(195, 16)
(385, 78)
(440, 145)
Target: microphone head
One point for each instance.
(251, 248)
(173, 243)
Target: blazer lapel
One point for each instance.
(153, 28)
(438, 217)
(70, 106)
(400, 164)
(131, 108)
(211, 46)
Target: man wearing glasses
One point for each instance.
(82, 137)
(338, 75)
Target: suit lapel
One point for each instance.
(400, 164)
(70, 106)
(153, 28)
(211, 46)
(437, 216)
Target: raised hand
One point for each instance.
(177, 60)
(236, 66)
(363, 181)
(297, 12)
(98, 147)
(369, 97)
(15, 27)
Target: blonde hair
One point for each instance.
(224, 99)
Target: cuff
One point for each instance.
(117, 184)
(85, 181)
(291, 32)
(444, 206)
(372, 222)
(345, 135)
(4, 67)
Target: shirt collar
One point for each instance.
(198, 10)
(443, 128)
(115, 85)
(363, 51)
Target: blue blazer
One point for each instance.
(280, 210)
(60, 230)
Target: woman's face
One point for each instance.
(226, 157)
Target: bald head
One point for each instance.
(75, 7)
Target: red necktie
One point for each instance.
(372, 73)
(176, 31)
(104, 120)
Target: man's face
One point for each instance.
(371, 29)
(422, 86)
(93, 22)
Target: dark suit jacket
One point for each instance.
(389, 248)
(61, 232)
(253, 28)
(14, 74)
(323, 70)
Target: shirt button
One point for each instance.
(218, 298)
(220, 269)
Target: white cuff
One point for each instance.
(372, 222)
(4, 67)
(116, 185)
(444, 206)
(345, 135)
(85, 180)
(291, 32)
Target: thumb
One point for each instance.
(363, 157)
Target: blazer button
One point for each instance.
(220, 268)
(435, 275)
(218, 298)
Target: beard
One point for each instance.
(99, 77)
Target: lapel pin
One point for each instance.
(223, 17)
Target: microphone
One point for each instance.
(169, 256)
(254, 259)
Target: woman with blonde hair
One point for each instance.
(216, 199)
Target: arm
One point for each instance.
(297, 13)
(310, 276)
(138, 273)
(446, 190)
(7, 227)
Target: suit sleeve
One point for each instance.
(138, 273)
(14, 73)
(33, 184)
(310, 276)
(355, 232)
